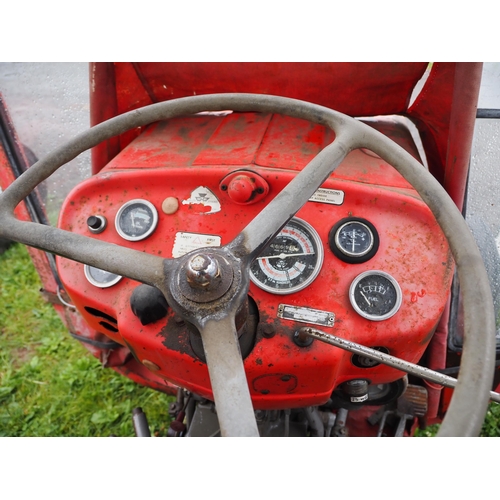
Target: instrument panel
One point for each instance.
(290, 263)
(364, 261)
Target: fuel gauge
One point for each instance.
(375, 295)
(354, 240)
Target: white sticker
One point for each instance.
(186, 242)
(202, 195)
(330, 196)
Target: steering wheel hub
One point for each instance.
(202, 271)
(205, 277)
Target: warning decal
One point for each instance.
(186, 242)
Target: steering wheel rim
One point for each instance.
(469, 402)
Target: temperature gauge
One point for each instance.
(354, 240)
(291, 261)
(375, 295)
(136, 220)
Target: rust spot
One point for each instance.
(176, 337)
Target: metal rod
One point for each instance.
(141, 426)
(386, 359)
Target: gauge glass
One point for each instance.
(136, 220)
(375, 295)
(291, 261)
(101, 278)
(354, 240)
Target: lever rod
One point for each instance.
(439, 378)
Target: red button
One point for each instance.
(241, 189)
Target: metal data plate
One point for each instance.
(306, 315)
(330, 196)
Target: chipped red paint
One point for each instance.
(166, 162)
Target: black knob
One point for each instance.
(148, 304)
(96, 223)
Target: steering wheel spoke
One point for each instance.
(116, 259)
(263, 228)
(228, 378)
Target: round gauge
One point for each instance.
(291, 261)
(354, 240)
(375, 295)
(100, 278)
(136, 220)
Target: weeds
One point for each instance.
(50, 385)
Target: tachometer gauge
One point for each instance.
(136, 220)
(100, 278)
(291, 261)
(354, 240)
(375, 295)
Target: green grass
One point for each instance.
(50, 385)
(491, 426)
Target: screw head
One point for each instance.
(268, 330)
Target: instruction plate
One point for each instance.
(306, 315)
(330, 196)
(186, 242)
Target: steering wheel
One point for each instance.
(207, 287)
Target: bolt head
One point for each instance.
(202, 271)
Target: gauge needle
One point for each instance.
(284, 255)
(133, 219)
(367, 301)
(353, 236)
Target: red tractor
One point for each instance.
(280, 245)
